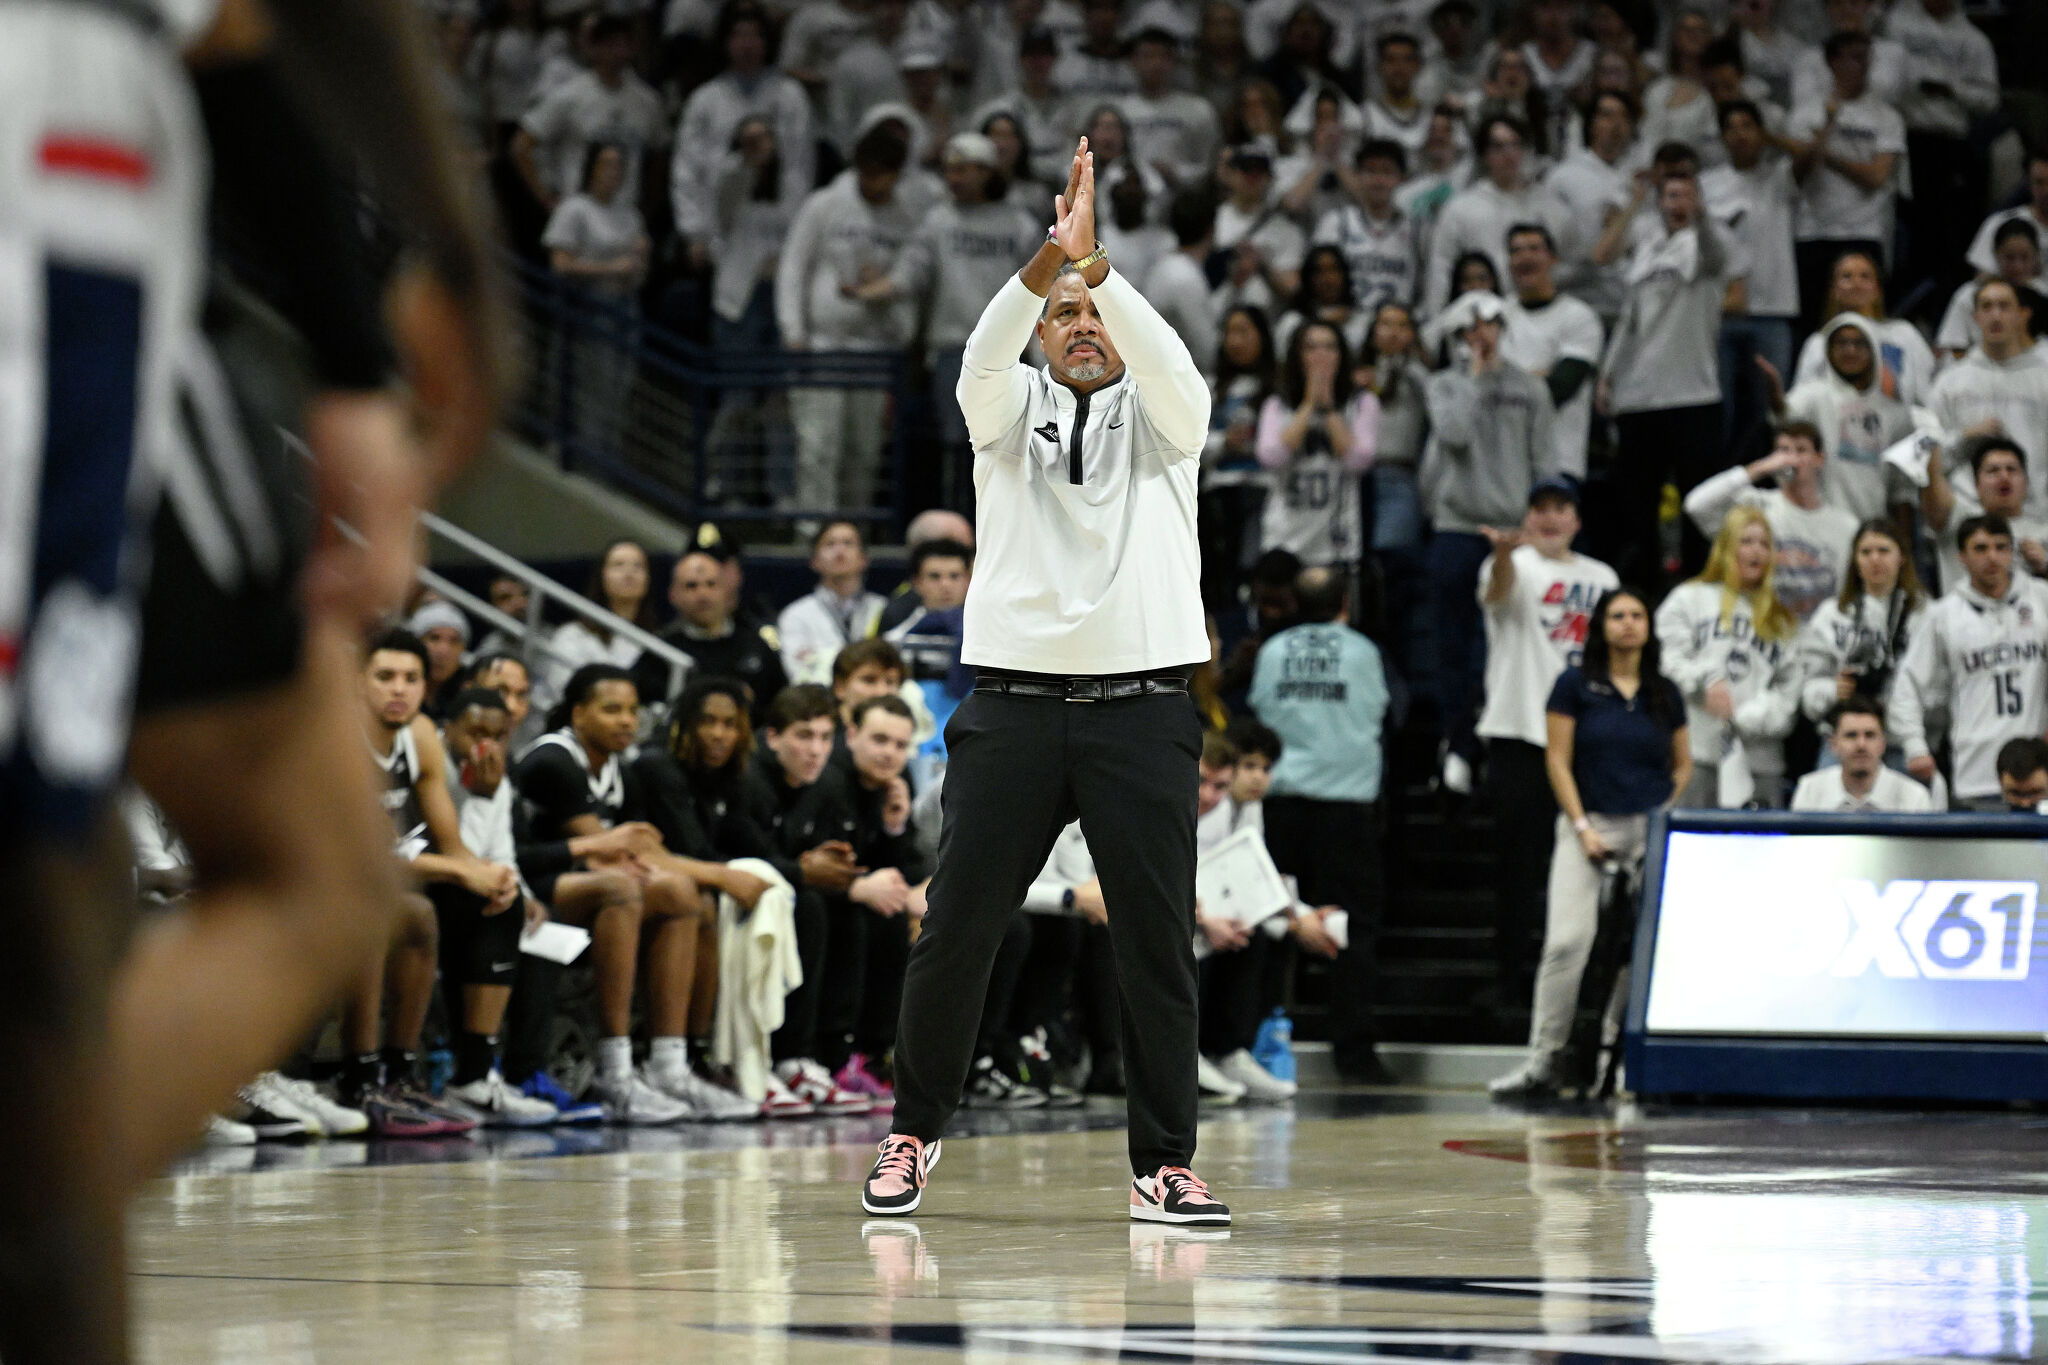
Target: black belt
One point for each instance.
(1082, 689)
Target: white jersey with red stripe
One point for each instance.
(102, 195)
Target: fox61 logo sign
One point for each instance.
(1937, 930)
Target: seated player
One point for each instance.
(480, 943)
(596, 867)
(812, 835)
(693, 792)
(384, 1084)
(868, 933)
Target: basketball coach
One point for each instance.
(1084, 622)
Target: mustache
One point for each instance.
(1078, 342)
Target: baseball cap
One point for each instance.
(1555, 486)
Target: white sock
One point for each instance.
(670, 1056)
(614, 1056)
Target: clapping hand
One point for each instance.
(1074, 211)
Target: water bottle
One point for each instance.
(1274, 1048)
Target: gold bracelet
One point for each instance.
(1101, 253)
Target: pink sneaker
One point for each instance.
(1175, 1194)
(857, 1079)
(897, 1183)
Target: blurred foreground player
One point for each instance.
(1084, 619)
(114, 400)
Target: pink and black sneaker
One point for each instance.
(897, 1183)
(856, 1078)
(1175, 1194)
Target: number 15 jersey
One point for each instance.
(1986, 660)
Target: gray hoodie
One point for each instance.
(1490, 441)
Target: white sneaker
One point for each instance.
(1258, 1083)
(814, 1084)
(493, 1104)
(1457, 774)
(268, 1091)
(223, 1132)
(1214, 1083)
(335, 1119)
(708, 1102)
(633, 1102)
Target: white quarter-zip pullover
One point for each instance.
(1087, 560)
(1986, 660)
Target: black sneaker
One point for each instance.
(991, 1087)
(1035, 1068)
(1175, 1194)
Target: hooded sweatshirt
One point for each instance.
(837, 236)
(1490, 440)
(1856, 426)
(1907, 359)
(1699, 649)
(1986, 660)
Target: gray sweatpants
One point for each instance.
(1574, 914)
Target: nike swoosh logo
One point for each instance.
(503, 966)
(1114, 425)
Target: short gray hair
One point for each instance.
(1066, 268)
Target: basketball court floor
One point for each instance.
(1371, 1225)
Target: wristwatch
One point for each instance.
(1067, 899)
(1101, 252)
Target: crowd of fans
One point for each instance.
(1556, 400)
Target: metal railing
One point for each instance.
(532, 631)
(694, 431)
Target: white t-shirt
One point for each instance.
(1385, 256)
(1832, 207)
(1537, 340)
(583, 110)
(1756, 206)
(1535, 634)
(1892, 793)
(1813, 544)
(589, 231)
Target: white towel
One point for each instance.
(757, 966)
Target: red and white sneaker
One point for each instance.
(897, 1183)
(1175, 1194)
(784, 1103)
(813, 1084)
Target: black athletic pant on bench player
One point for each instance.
(1018, 770)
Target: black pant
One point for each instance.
(1524, 832)
(862, 981)
(1815, 262)
(1667, 445)
(996, 1037)
(1239, 989)
(1332, 848)
(476, 949)
(1018, 770)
